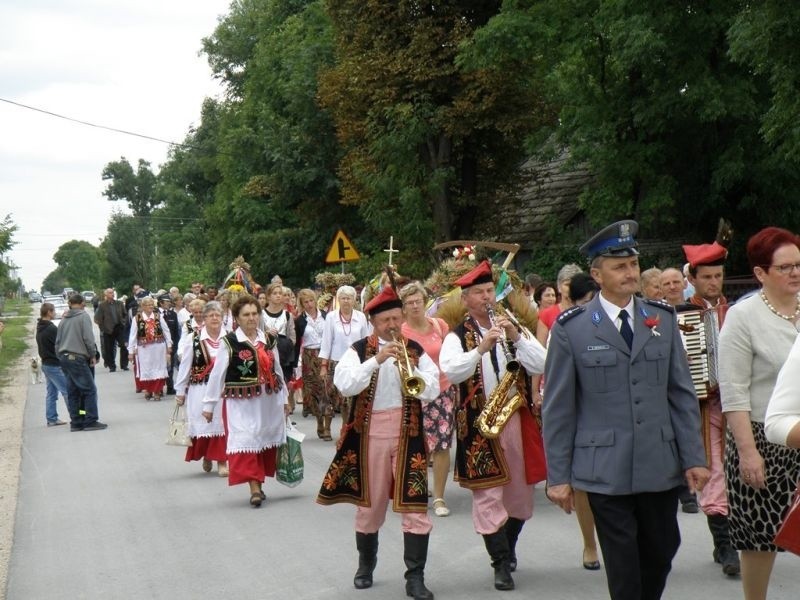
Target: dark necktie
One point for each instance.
(625, 329)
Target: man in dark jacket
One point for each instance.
(56, 382)
(110, 317)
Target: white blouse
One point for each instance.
(338, 336)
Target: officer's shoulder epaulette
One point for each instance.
(569, 313)
(660, 304)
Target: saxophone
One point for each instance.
(499, 407)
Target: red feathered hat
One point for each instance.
(386, 300)
(480, 274)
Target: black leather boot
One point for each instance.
(724, 553)
(513, 527)
(367, 545)
(497, 547)
(415, 555)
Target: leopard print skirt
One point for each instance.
(756, 515)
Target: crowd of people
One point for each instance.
(597, 399)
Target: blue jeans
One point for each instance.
(81, 391)
(56, 382)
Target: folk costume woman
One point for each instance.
(151, 343)
(382, 452)
(342, 328)
(246, 376)
(199, 350)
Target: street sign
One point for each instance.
(341, 250)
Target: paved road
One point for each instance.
(118, 514)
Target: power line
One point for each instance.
(97, 126)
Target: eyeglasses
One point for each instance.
(785, 269)
(413, 302)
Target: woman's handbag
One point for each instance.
(177, 428)
(788, 536)
(289, 470)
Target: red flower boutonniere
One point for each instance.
(652, 323)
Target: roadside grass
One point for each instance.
(15, 337)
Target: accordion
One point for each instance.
(698, 333)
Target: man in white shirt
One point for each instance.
(388, 378)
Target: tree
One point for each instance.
(137, 188)
(128, 251)
(429, 129)
(277, 198)
(7, 231)
(649, 98)
(79, 265)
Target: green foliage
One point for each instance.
(7, 230)
(15, 336)
(428, 133)
(79, 266)
(650, 100)
(137, 188)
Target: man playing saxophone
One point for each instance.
(499, 471)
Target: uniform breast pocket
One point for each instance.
(656, 358)
(602, 370)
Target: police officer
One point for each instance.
(620, 418)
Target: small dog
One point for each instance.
(36, 370)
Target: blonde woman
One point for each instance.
(437, 416)
(308, 332)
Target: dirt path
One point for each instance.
(12, 405)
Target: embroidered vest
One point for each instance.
(243, 378)
(347, 479)
(141, 331)
(201, 362)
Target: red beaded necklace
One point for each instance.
(346, 322)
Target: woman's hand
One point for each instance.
(179, 400)
(208, 416)
(286, 410)
(751, 469)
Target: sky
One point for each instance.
(128, 64)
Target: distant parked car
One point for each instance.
(66, 292)
(88, 295)
(35, 297)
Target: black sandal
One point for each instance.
(256, 499)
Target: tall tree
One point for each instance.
(429, 130)
(276, 201)
(7, 230)
(137, 188)
(79, 264)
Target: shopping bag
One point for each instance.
(289, 469)
(177, 428)
(788, 536)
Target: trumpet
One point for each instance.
(512, 364)
(412, 385)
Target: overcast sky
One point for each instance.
(128, 64)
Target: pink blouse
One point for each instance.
(431, 343)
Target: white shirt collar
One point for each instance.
(243, 338)
(612, 310)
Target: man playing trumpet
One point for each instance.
(382, 452)
(499, 471)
